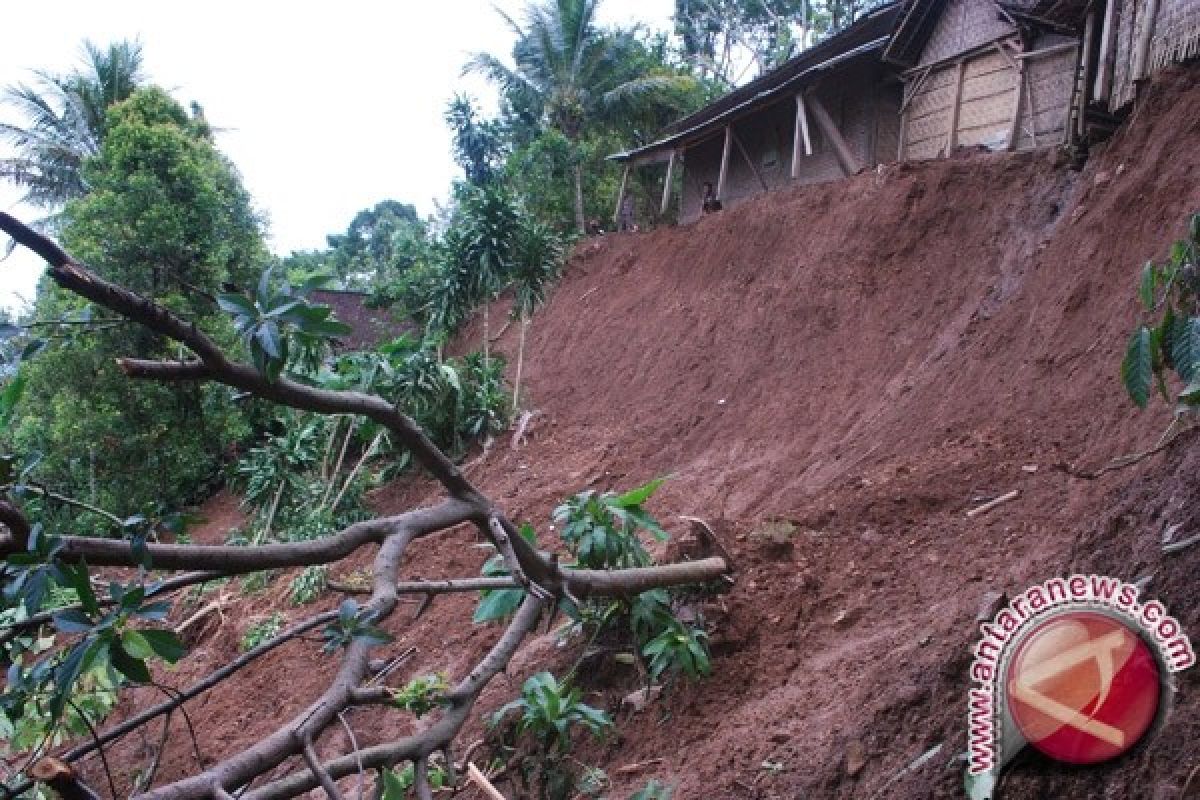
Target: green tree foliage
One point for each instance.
(1169, 337)
(732, 41)
(573, 78)
(66, 122)
(166, 216)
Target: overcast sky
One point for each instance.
(327, 108)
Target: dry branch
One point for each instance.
(538, 573)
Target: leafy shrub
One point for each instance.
(309, 584)
(678, 648)
(601, 529)
(1169, 338)
(653, 791)
(550, 710)
(261, 632)
(353, 624)
(421, 695)
(397, 784)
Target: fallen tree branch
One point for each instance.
(990, 504)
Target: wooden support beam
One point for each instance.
(1141, 56)
(724, 173)
(846, 157)
(1106, 62)
(667, 184)
(955, 107)
(1032, 107)
(1082, 83)
(750, 161)
(800, 135)
(621, 193)
(1014, 131)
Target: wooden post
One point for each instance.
(724, 162)
(1108, 52)
(850, 162)
(666, 197)
(800, 136)
(621, 193)
(749, 161)
(1083, 85)
(1142, 54)
(1014, 132)
(952, 132)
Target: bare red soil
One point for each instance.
(865, 360)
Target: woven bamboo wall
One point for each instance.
(963, 25)
(1048, 89)
(987, 101)
(862, 105)
(928, 114)
(985, 113)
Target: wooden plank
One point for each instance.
(952, 128)
(621, 193)
(724, 173)
(749, 161)
(1048, 51)
(666, 195)
(1108, 53)
(846, 157)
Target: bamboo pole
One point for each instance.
(1142, 54)
(1014, 132)
(1085, 68)
(846, 157)
(1108, 52)
(952, 129)
(621, 193)
(800, 136)
(666, 195)
(724, 173)
(749, 161)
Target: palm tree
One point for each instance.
(66, 122)
(570, 73)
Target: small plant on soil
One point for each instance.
(550, 711)
(421, 695)
(653, 791)
(601, 529)
(398, 783)
(353, 624)
(309, 584)
(1168, 339)
(262, 631)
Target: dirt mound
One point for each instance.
(858, 363)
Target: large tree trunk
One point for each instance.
(580, 222)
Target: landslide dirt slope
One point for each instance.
(865, 360)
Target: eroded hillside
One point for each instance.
(864, 361)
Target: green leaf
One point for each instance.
(393, 787)
(1137, 368)
(136, 645)
(635, 497)
(65, 675)
(237, 304)
(72, 621)
(498, 604)
(267, 336)
(1147, 285)
(129, 666)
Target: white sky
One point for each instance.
(328, 107)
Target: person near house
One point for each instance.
(625, 216)
(711, 203)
